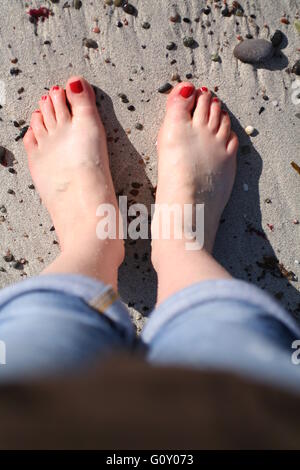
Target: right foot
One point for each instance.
(197, 157)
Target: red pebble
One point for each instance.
(41, 12)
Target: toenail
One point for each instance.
(204, 89)
(37, 111)
(44, 97)
(186, 91)
(55, 88)
(215, 100)
(76, 87)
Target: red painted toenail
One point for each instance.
(204, 89)
(55, 88)
(215, 100)
(76, 87)
(44, 97)
(186, 91)
(37, 111)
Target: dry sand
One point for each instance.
(134, 61)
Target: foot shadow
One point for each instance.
(242, 246)
(137, 278)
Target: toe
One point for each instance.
(58, 97)
(81, 96)
(38, 126)
(233, 144)
(181, 101)
(48, 113)
(201, 113)
(225, 127)
(214, 115)
(30, 142)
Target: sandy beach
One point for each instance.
(128, 58)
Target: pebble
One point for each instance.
(123, 98)
(8, 257)
(129, 9)
(96, 30)
(254, 50)
(77, 4)
(277, 38)
(118, 3)
(297, 261)
(284, 21)
(296, 222)
(188, 41)
(165, 88)
(215, 57)
(2, 155)
(139, 126)
(146, 25)
(296, 68)
(171, 46)
(175, 18)
(249, 130)
(90, 43)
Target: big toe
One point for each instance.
(181, 101)
(81, 96)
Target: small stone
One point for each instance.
(296, 68)
(249, 36)
(253, 50)
(11, 191)
(175, 18)
(119, 24)
(129, 9)
(31, 186)
(90, 43)
(296, 222)
(8, 257)
(166, 88)
(123, 97)
(118, 3)
(175, 77)
(2, 270)
(2, 155)
(18, 265)
(206, 10)
(15, 71)
(277, 38)
(188, 41)
(171, 46)
(77, 4)
(284, 21)
(131, 108)
(3, 209)
(146, 25)
(268, 201)
(96, 30)
(225, 11)
(297, 261)
(139, 126)
(215, 57)
(249, 130)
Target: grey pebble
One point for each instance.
(90, 43)
(165, 88)
(254, 50)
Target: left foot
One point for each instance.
(68, 161)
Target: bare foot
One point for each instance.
(68, 161)
(197, 164)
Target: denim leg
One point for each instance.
(227, 325)
(56, 323)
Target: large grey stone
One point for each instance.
(254, 50)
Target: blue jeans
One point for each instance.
(56, 324)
